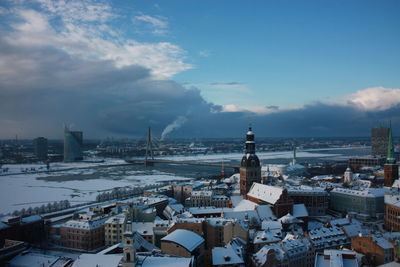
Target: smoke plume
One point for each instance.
(173, 126)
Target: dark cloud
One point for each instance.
(272, 107)
(41, 89)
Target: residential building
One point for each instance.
(145, 229)
(378, 250)
(207, 198)
(83, 234)
(277, 197)
(184, 243)
(368, 202)
(379, 141)
(40, 148)
(315, 199)
(392, 211)
(328, 238)
(114, 229)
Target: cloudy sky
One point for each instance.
(199, 68)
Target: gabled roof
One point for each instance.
(266, 193)
(185, 238)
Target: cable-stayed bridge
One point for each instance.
(150, 160)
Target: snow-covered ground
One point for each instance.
(58, 166)
(79, 185)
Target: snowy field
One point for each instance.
(80, 185)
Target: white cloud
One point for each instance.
(86, 30)
(260, 110)
(375, 98)
(159, 25)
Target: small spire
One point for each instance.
(250, 126)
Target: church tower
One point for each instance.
(129, 259)
(250, 169)
(390, 169)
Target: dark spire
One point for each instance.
(390, 159)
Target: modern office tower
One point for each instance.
(390, 169)
(250, 169)
(73, 141)
(379, 141)
(40, 147)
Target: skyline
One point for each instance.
(113, 69)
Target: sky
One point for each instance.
(198, 68)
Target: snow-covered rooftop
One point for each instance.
(371, 192)
(303, 189)
(143, 228)
(202, 193)
(117, 219)
(155, 261)
(267, 193)
(382, 242)
(207, 210)
(85, 224)
(300, 210)
(185, 238)
(267, 236)
(225, 256)
(392, 199)
(333, 257)
(97, 260)
(289, 219)
(36, 259)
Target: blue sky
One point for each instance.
(309, 50)
(201, 68)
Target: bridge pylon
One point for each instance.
(149, 149)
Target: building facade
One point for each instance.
(377, 249)
(379, 141)
(40, 147)
(114, 229)
(316, 200)
(277, 197)
(82, 234)
(73, 141)
(392, 212)
(369, 202)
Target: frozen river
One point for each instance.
(82, 185)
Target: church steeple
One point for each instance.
(250, 144)
(250, 168)
(390, 159)
(390, 169)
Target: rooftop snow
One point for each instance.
(185, 238)
(300, 210)
(266, 193)
(224, 256)
(97, 260)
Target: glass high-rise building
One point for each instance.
(73, 141)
